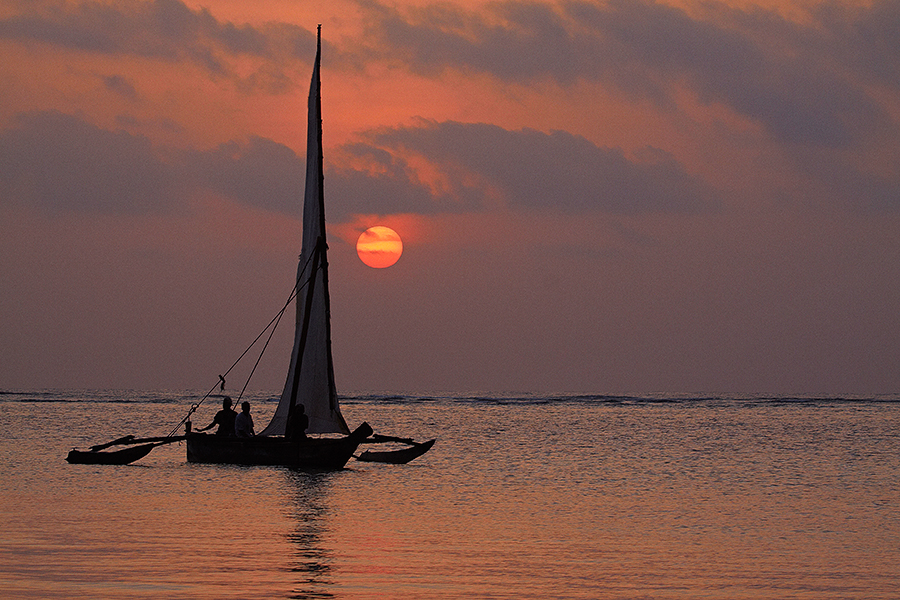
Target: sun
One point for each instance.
(379, 247)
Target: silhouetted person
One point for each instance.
(243, 423)
(224, 419)
(298, 424)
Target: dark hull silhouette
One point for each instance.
(116, 457)
(312, 453)
(397, 457)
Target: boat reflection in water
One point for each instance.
(307, 508)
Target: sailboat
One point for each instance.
(310, 377)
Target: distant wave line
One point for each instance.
(480, 398)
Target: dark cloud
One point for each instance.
(257, 173)
(513, 41)
(555, 171)
(388, 187)
(167, 30)
(58, 162)
(850, 186)
(164, 29)
(121, 86)
(805, 83)
(799, 81)
(866, 39)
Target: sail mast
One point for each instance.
(334, 411)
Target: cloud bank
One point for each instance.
(802, 82)
(169, 31)
(526, 169)
(59, 162)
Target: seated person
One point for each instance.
(298, 423)
(224, 419)
(243, 423)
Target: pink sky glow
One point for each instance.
(611, 197)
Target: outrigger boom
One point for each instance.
(96, 456)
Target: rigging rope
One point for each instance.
(261, 352)
(276, 320)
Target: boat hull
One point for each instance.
(313, 453)
(396, 457)
(117, 457)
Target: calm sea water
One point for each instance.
(525, 497)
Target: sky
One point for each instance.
(623, 196)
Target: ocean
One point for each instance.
(523, 496)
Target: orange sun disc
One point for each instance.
(379, 247)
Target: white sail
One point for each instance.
(310, 378)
